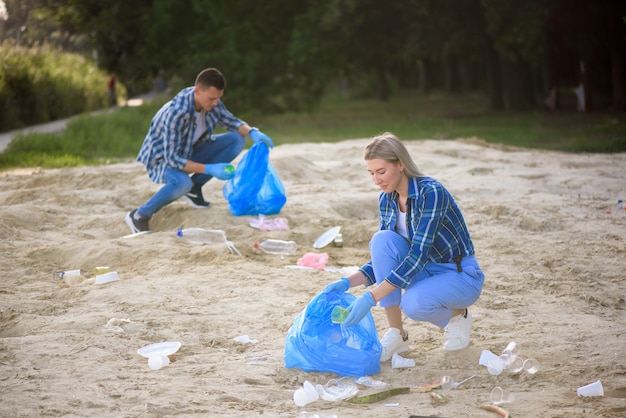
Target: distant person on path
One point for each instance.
(112, 95)
(422, 257)
(180, 143)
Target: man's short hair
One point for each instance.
(211, 77)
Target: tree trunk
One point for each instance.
(517, 82)
(382, 86)
(617, 56)
(494, 77)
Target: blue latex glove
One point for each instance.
(341, 285)
(222, 171)
(359, 308)
(258, 136)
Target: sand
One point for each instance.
(548, 234)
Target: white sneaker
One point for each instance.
(457, 332)
(393, 342)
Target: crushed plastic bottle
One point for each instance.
(202, 236)
(276, 246)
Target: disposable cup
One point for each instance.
(446, 383)
(499, 396)
(398, 362)
(530, 366)
(107, 277)
(592, 389)
(156, 362)
(306, 394)
(512, 349)
(492, 362)
(515, 364)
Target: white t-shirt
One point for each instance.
(200, 125)
(401, 225)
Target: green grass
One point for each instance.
(114, 136)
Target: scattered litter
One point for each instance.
(370, 382)
(314, 260)
(393, 404)
(494, 408)
(499, 396)
(592, 389)
(244, 339)
(337, 390)
(115, 325)
(343, 271)
(398, 362)
(111, 276)
(438, 397)
(269, 224)
(305, 414)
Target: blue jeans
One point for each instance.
(433, 293)
(222, 148)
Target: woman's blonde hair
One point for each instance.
(389, 148)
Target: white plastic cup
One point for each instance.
(499, 396)
(515, 364)
(157, 362)
(446, 383)
(530, 366)
(398, 362)
(306, 394)
(493, 363)
(592, 389)
(512, 349)
(107, 277)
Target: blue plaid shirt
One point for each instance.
(169, 142)
(435, 224)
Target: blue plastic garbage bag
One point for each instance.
(255, 189)
(315, 344)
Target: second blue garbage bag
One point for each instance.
(255, 189)
(315, 344)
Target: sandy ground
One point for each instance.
(547, 228)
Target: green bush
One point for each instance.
(39, 85)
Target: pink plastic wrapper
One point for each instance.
(269, 224)
(314, 260)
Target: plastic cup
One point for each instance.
(398, 362)
(515, 364)
(530, 366)
(493, 363)
(306, 394)
(512, 349)
(499, 396)
(339, 315)
(446, 383)
(156, 362)
(592, 389)
(107, 277)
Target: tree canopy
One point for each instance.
(283, 54)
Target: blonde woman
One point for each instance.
(422, 258)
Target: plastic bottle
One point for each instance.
(276, 246)
(202, 236)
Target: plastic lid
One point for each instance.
(179, 233)
(326, 238)
(256, 245)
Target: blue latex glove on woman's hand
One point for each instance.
(359, 308)
(341, 285)
(222, 171)
(258, 136)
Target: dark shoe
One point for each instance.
(195, 198)
(137, 225)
